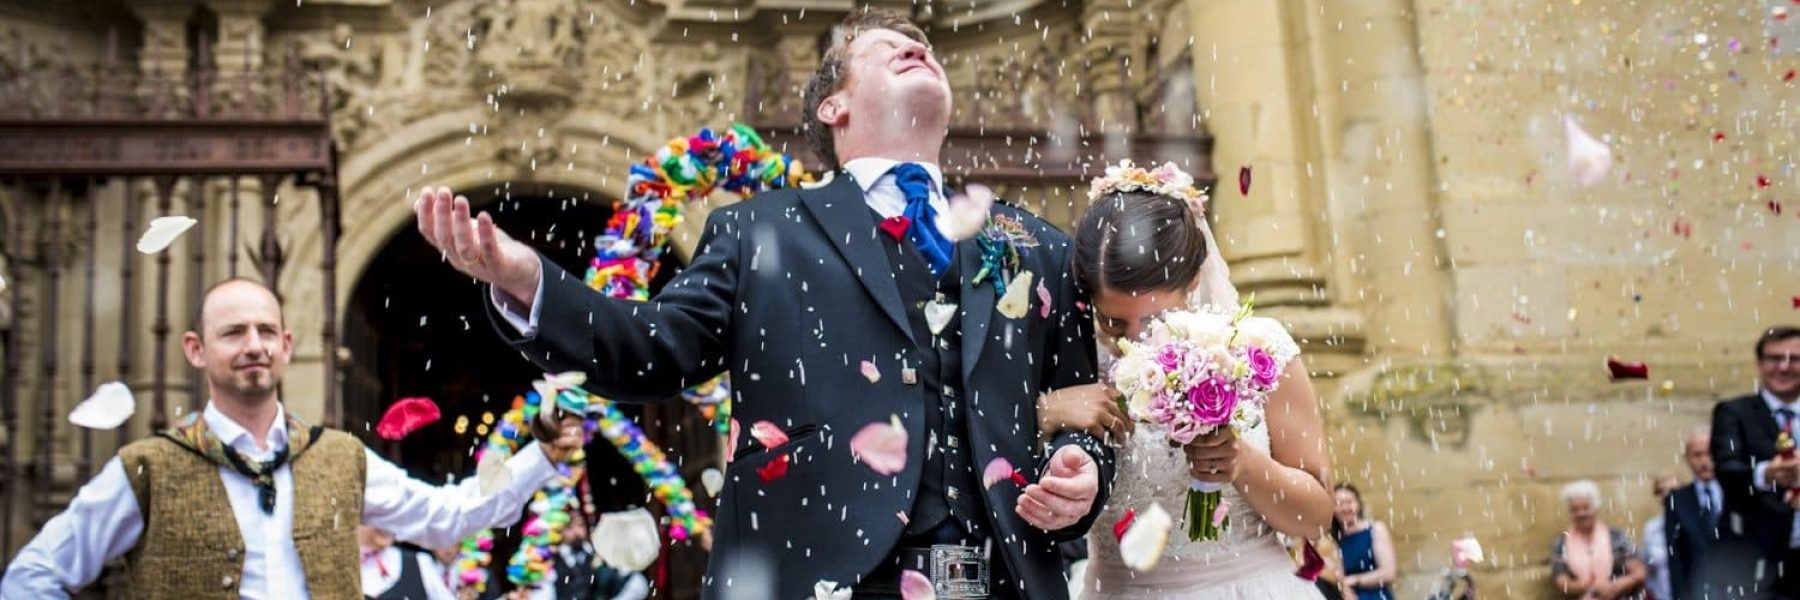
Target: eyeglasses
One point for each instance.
(1780, 359)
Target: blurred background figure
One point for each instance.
(1655, 552)
(1690, 527)
(579, 574)
(1592, 560)
(1366, 547)
(398, 571)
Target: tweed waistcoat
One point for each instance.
(191, 546)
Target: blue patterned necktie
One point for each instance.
(915, 184)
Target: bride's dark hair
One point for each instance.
(1137, 242)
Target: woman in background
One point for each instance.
(1366, 546)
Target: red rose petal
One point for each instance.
(1797, 302)
(896, 226)
(1124, 523)
(1620, 370)
(1775, 207)
(1789, 76)
(1244, 180)
(1313, 565)
(1018, 479)
(1762, 181)
(406, 416)
(1718, 136)
(776, 469)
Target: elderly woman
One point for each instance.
(1592, 560)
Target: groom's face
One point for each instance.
(890, 73)
(1125, 315)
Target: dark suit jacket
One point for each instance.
(790, 292)
(1690, 540)
(1755, 522)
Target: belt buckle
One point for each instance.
(959, 572)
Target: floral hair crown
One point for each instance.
(1166, 180)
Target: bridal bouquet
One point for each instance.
(1194, 372)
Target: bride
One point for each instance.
(1143, 248)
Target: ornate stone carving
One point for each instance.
(350, 77)
(533, 48)
(1438, 401)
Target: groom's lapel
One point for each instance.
(846, 219)
(977, 301)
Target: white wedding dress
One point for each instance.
(1246, 562)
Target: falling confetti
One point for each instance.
(1620, 371)
(1797, 302)
(1016, 301)
(406, 416)
(109, 407)
(1043, 294)
(628, 540)
(999, 470)
(1244, 180)
(1588, 158)
(1144, 540)
(1465, 552)
(491, 474)
(1124, 523)
(967, 214)
(1762, 181)
(162, 232)
(768, 434)
(1774, 207)
(881, 446)
(871, 372)
(937, 315)
(731, 441)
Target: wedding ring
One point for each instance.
(1215, 469)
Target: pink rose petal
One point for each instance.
(997, 470)
(767, 433)
(731, 444)
(881, 446)
(871, 372)
(1044, 299)
(915, 586)
(1589, 158)
(1219, 513)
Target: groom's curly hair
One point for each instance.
(832, 75)
(1137, 242)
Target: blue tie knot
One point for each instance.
(915, 184)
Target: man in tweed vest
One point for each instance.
(245, 500)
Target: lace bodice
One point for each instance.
(1152, 472)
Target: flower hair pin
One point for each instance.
(1167, 180)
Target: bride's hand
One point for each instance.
(1213, 458)
(1093, 408)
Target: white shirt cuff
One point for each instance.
(525, 325)
(531, 469)
(1761, 481)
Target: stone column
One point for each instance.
(1111, 47)
(238, 53)
(163, 60)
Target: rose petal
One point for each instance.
(406, 416)
(1220, 512)
(881, 446)
(1313, 563)
(968, 213)
(1797, 301)
(1465, 552)
(767, 433)
(1762, 181)
(997, 470)
(871, 372)
(896, 226)
(1015, 302)
(731, 443)
(713, 480)
(1244, 180)
(1043, 301)
(827, 590)
(111, 405)
(162, 232)
(1589, 159)
(1143, 543)
(776, 469)
(1620, 370)
(491, 474)
(628, 540)
(1124, 524)
(915, 586)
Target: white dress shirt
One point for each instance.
(382, 571)
(102, 522)
(880, 191)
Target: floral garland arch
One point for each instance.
(628, 255)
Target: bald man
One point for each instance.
(244, 499)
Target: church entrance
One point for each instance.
(415, 327)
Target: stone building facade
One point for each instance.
(1410, 212)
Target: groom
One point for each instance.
(833, 309)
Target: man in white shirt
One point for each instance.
(245, 500)
(1757, 533)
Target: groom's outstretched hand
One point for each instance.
(1066, 492)
(476, 247)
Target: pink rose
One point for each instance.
(1262, 368)
(1169, 358)
(1183, 431)
(1213, 401)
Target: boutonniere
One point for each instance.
(1002, 243)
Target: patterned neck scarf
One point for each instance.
(193, 434)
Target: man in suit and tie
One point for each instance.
(1755, 478)
(835, 308)
(1691, 524)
